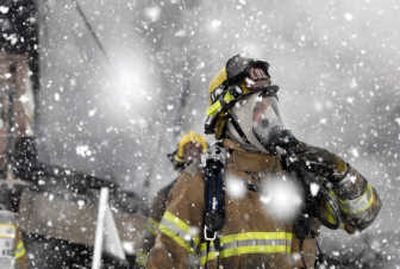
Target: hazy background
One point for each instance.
(118, 114)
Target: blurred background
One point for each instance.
(117, 82)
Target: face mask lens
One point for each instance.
(257, 118)
(266, 118)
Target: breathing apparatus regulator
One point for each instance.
(320, 202)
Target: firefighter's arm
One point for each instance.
(178, 236)
(156, 213)
(358, 200)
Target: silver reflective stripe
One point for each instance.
(258, 242)
(179, 232)
(359, 204)
(174, 228)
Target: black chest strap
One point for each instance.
(214, 194)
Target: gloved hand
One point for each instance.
(357, 201)
(297, 154)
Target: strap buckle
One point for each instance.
(208, 234)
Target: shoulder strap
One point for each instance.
(214, 194)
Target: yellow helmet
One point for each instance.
(194, 138)
(230, 85)
(191, 142)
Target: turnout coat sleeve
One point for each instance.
(180, 227)
(358, 200)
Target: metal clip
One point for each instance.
(206, 232)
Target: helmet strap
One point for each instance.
(232, 118)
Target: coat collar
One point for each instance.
(246, 161)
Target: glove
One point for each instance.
(357, 200)
(297, 154)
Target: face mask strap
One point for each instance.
(232, 118)
(225, 97)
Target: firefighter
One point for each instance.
(189, 150)
(12, 249)
(222, 231)
(188, 153)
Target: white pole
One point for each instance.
(98, 243)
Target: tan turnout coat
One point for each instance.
(242, 216)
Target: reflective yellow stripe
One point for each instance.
(179, 240)
(253, 250)
(257, 236)
(152, 226)
(20, 250)
(226, 253)
(248, 243)
(217, 107)
(179, 231)
(177, 221)
(360, 204)
(212, 255)
(252, 236)
(214, 108)
(228, 97)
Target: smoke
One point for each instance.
(100, 101)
